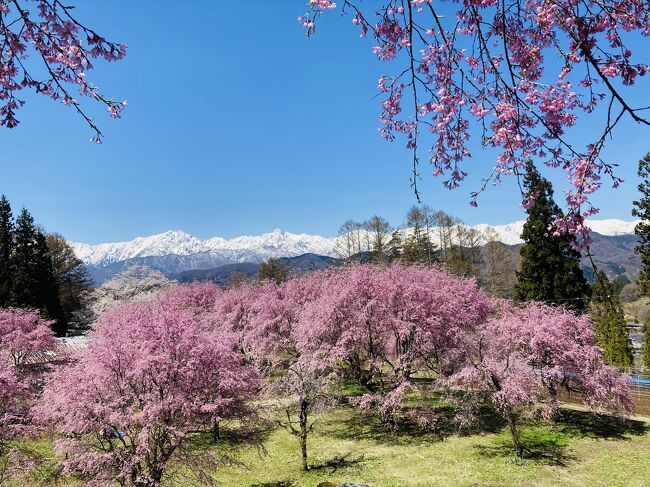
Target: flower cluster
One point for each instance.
(65, 48)
(487, 69)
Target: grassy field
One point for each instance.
(580, 449)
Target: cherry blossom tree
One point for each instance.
(43, 36)
(523, 356)
(150, 378)
(202, 300)
(380, 325)
(137, 283)
(519, 73)
(11, 392)
(278, 339)
(24, 333)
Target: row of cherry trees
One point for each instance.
(158, 373)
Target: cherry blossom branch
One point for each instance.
(488, 68)
(54, 37)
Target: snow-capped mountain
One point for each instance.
(274, 244)
(240, 249)
(511, 233)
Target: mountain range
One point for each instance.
(175, 252)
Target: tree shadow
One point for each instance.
(547, 449)
(338, 462)
(368, 426)
(439, 423)
(585, 424)
(279, 483)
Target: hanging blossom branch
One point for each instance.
(55, 39)
(522, 71)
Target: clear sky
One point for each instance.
(238, 124)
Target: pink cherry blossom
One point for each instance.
(528, 71)
(24, 333)
(150, 378)
(50, 35)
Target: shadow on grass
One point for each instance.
(338, 462)
(545, 448)
(232, 438)
(369, 426)
(550, 447)
(279, 483)
(585, 424)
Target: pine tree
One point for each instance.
(47, 291)
(645, 346)
(22, 262)
(34, 284)
(550, 266)
(609, 321)
(395, 246)
(6, 247)
(642, 229)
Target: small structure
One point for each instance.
(66, 350)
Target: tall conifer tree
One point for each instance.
(395, 246)
(34, 284)
(6, 247)
(609, 321)
(550, 266)
(642, 229)
(22, 262)
(47, 290)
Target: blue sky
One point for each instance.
(239, 124)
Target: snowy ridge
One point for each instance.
(274, 244)
(277, 243)
(511, 233)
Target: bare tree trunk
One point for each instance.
(216, 431)
(510, 418)
(304, 431)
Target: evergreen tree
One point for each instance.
(47, 290)
(22, 262)
(34, 284)
(6, 247)
(550, 266)
(410, 250)
(609, 322)
(645, 346)
(418, 247)
(395, 246)
(642, 229)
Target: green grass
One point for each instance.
(580, 449)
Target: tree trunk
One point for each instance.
(304, 430)
(216, 431)
(519, 447)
